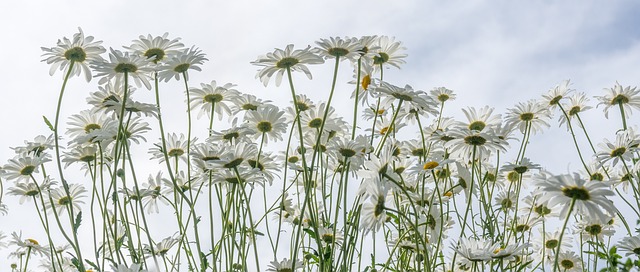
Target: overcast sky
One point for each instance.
(493, 53)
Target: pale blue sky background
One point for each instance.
(493, 53)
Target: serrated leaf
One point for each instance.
(76, 224)
(46, 121)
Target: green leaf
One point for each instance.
(46, 121)
(76, 224)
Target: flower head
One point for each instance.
(280, 61)
(179, 64)
(336, 47)
(156, 48)
(74, 54)
(135, 66)
(626, 98)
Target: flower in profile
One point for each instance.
(481, 119)
(474, 250)
(247, 102)
(374, 213)
(80, 153)
(621, 150)
(154, 189)
(156, 49)
(28, 190)
(336, 47)
(467, 142)
(22, 166)
(267, 123)
(590, 197)
(176, 148)
(626, 98)
(577, 104)
(531, 115)
(29, 244)
(85, 122)
(134, 66)
(280, 61)
(179, 64)
(161, 248)
(213, 98)
(61, 201)
(39, 144)
(442, 94)
(285, 265)
(569, 262)
(78, 52)
(631, 245)
(557, 93)
(389, 53)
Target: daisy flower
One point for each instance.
(442, 94)
(39, 144)
(133, 132)
(389, 53)
(61, 201)
(236, 133)
(480, 119)
(373, 214)
(474, 250)
(74, 54)
(176, 65)
(577, 104)
(406, 94)
(521, 167)
(626, 97)
(467, 141)
(285, 265)
(366, 78)
(29, 190)
(532, 115)
(80, 153)
(247, 102)
(154, 188)
(280, 60)
(569, 262)
(336, 47)
(157, 48)
(161, 248)
(176, 148)
(267, 123)
(211, 97)
(557, 93)
(136, 67)
(589, 197)
(594, 228)
(621, 150)
(86, 121)
(22, 166)
(550, 243)
(28, 244)
(631, 245)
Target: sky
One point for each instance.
(493, 53)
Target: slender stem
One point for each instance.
(564, 227)
(624, 119)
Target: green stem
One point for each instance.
(564, 227)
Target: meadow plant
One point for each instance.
(250, 186)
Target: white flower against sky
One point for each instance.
(180, 63)
(136, 67)
(556, 94)
(631, 245)
(285, 265)
(267, 122)
(60, 201)
(22, 166)
(481, 119)
(213, 98)
(591, 197)
(79, 52)
(532, 115)
(157, 48)
(336, 47)
(622, 150)
(280, 60)
(617, 96)
(389, 53)
(577, 104)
